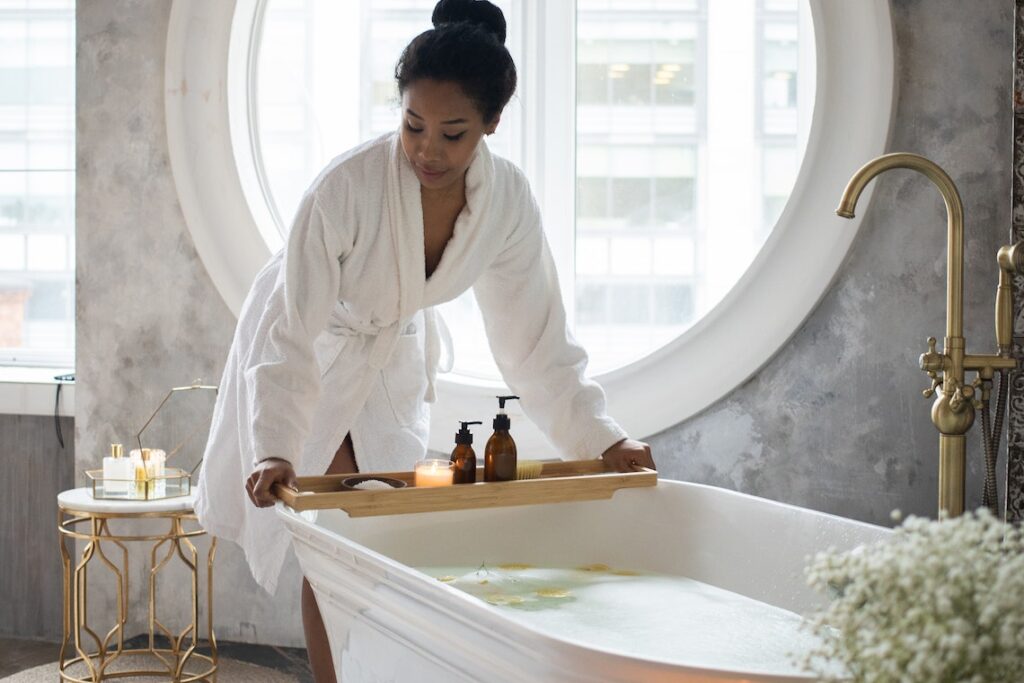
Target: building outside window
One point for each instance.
(779, 123)
(37, 182)
(640, 113)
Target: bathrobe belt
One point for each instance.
(438, 351)
(384, 345)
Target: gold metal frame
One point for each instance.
(196, 385)
(75, 613)
(174, 478)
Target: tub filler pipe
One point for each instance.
(954, 408)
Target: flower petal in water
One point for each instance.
(504, 599)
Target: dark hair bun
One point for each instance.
(480, 12)
(467, 47)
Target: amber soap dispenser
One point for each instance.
(463, 458)
(500, 452)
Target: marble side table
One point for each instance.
(82, 517)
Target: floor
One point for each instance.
(18, 655)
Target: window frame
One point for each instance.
(16, 361)
(209, 48)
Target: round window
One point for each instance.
(689, 209)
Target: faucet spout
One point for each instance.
(954, 218)
(953, 409)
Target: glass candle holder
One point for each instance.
(432, 472)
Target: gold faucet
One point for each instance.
(953, 409)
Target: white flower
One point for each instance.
(937, 601)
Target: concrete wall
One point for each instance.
(834, 422)
(148, 316)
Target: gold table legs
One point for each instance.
(181, 662)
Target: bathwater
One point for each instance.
(640, 614)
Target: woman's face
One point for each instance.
(441, 128)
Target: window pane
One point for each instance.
(674, 201)
(638, 77)
(37, 182)
(780, 168)
(591, 304)
(592, 256)
(629, 304)
(12, 252)
(674, 256)
(593, 5)
(675, 86)
(631, 200)
(780, 77)
(47, 252)
(631, 84)
(49, 301)
(593, 84)
(675, 72)
(688, 144)
(631, 256)
(673, 304)
(592, 198)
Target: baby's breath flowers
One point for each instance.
(937, 601)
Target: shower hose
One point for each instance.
(990, 440)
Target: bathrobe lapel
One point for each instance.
(405, 221)
(460, 261)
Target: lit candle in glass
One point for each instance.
(433, 473)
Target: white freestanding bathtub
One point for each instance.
(389, 622)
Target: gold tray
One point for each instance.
(558, 482)
(173, 484)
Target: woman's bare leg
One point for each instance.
(317, 646)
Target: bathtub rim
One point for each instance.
(481, 617)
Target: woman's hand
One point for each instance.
(260, 483)
(628, 455)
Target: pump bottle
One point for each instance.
(463, 458)
(500, 452)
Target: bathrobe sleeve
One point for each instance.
(539, 359)
(281, 372)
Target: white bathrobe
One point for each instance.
(337, 336)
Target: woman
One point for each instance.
(336, 350)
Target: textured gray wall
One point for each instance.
(834, 422)
(148, 315)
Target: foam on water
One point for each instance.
(651, 616)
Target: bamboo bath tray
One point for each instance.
(558, 482)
